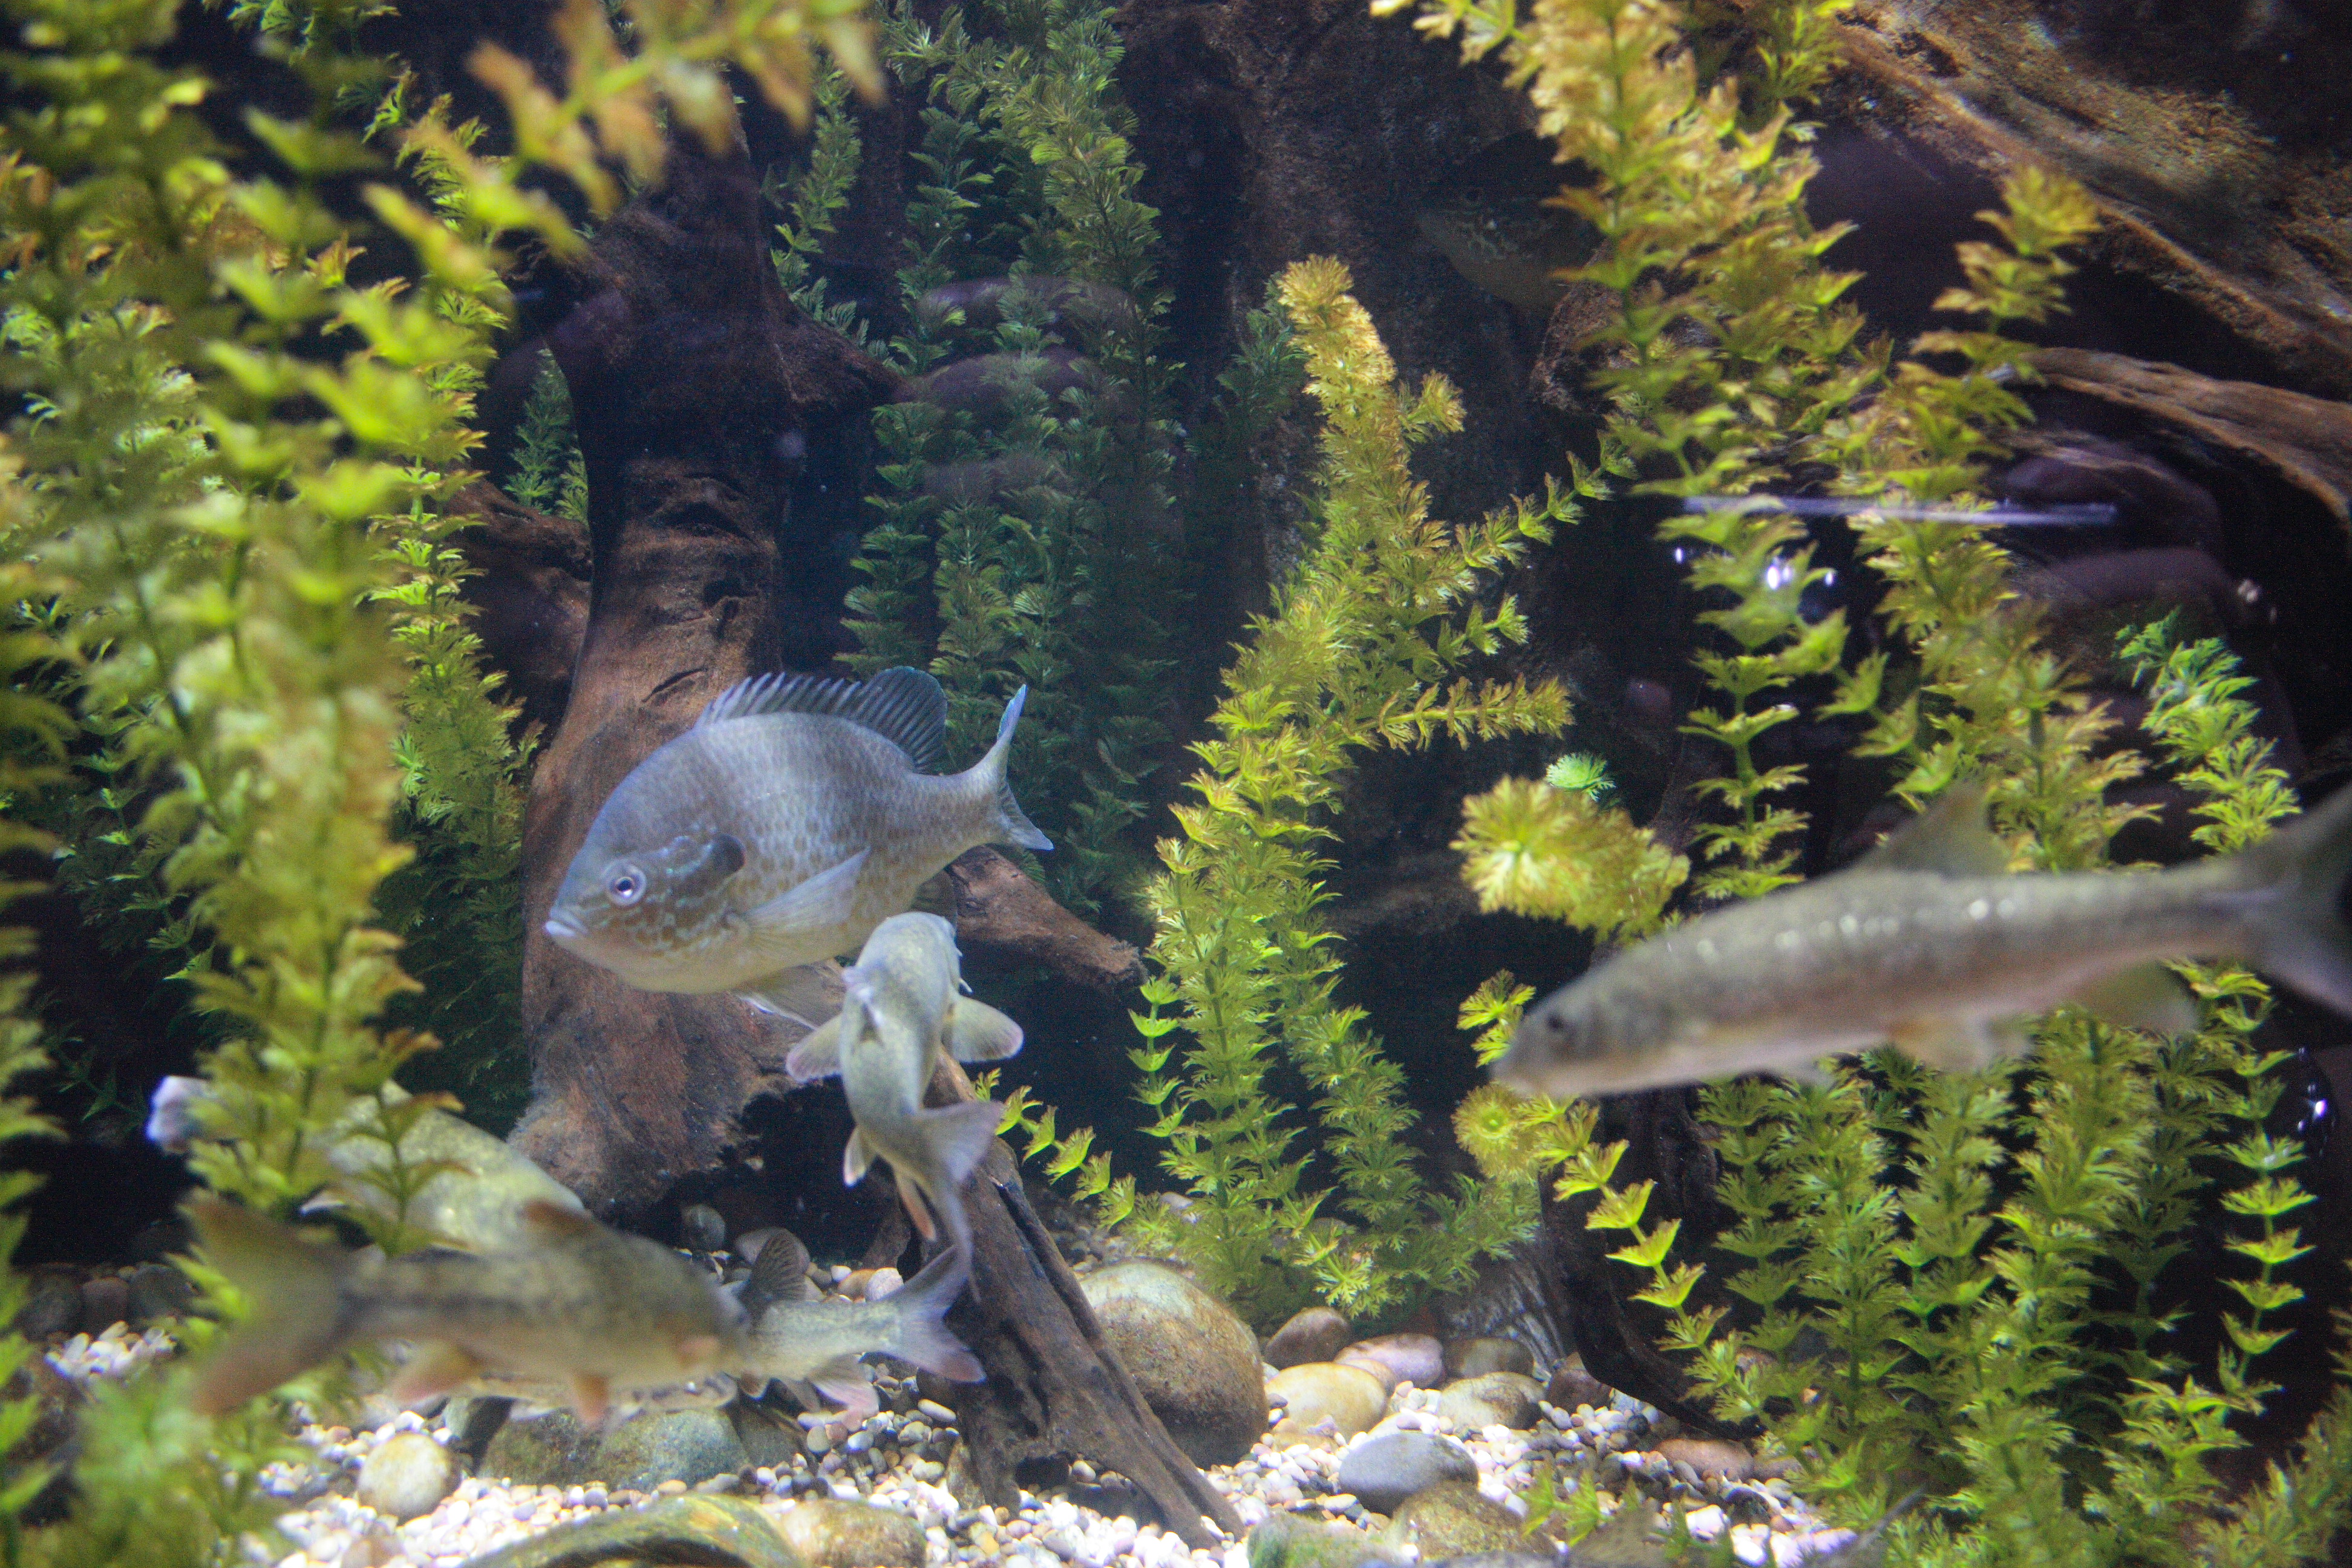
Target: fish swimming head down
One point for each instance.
(794, 817)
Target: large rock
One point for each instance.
(1291, 1540)
(1350, 1399)
(1497, 1399)
(1318, 1333)
(830, 1532)
(1571, 1387)
(407, 1475)
(1383, 1471)
(710, 1530)
(1478, 1357)
(1454, 1519)
(1194, 1360)
(1417, 1359)
(689, 1445)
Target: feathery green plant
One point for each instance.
(1358, 652)
(549, 471)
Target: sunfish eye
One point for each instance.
(627, 886)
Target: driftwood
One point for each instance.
(1056, 1389)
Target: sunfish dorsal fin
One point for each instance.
(903, 706)
(1949, 838)
(977, 1031)
(780, 1275)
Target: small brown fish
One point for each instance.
(581, 1307)
(799, 1339)
(902, 1005)
(777, 833)
(1924, 944)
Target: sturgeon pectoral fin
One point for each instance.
(855, 1156)
(808, 909)
(435, 1370)
(1960, 1044)
(977, 1031)
(819, 1055)
(2149, 997)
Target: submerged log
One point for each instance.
(1055, 1388)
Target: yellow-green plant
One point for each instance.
(1362, 650)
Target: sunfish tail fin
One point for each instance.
(1012, 824)
(920, 1335)
(2302, 936)
(296, 1290)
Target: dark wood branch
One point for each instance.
(1056, 1388)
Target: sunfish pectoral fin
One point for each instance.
(1949, 839)
(808, 909)
(818, 1055)
(808, 994)
(2148, 996)
(846, 1381)
(977, 1031)
(433, 1369)
(1960, 1045)
(592, 1398)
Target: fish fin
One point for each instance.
(818, 1055)
(919, 1334)
(977, 1031)
(857, 1155)
(845, 1382)
(1960, 1044)
(905, 707)
(780, 1275)
(910, 1193)
(592, 1397)
(808, 994)
(960, 1136)
(1812, 1073)
(2148, 996)
(174, 1113)
(1949, 838)
(1012, 826)
(433, 1369)
(2301, 935)
(819, 904)
(550, 1221)
(295, 1288)
(936, 895)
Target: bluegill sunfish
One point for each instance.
(791, 820)
(581, 1308)
(1926, 944)
(902, 1003)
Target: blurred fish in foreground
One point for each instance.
(1924, 944)
(474, 1200)
(795, 816)
(901, 1006)
(601, 1315)
(798, 1339)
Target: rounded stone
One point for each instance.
(1522, 1558)
(638, 1455)
(105, 1301)
(159, 1290)
(52, 1306)
(1572, 1386)
(1715, 1459)
(1478, 1357)
(1497, 1399)
(1192, 1358)
(1291, 1540)
(702, 1228)
(1383, 1471)
(1315, 1335)
(406, 1476)
(1351, 1398)
(829, 1532)
(1399, 1358)
(1454, 1519)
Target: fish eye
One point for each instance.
(627, 886)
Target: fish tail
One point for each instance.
(2302, 936)
(1012, 824)
(920, 1335)
(295, 1286)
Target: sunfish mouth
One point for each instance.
(563, 930)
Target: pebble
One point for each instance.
(1384, 1470)
(1350, 1399)
(1318, 1333)
(1476, 1357)
(1399, 1358)
(1508, 1399)
(407, 1474)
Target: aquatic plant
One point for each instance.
(549, 471)
(1363, 648)
(1016, 541)
(234, 461)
